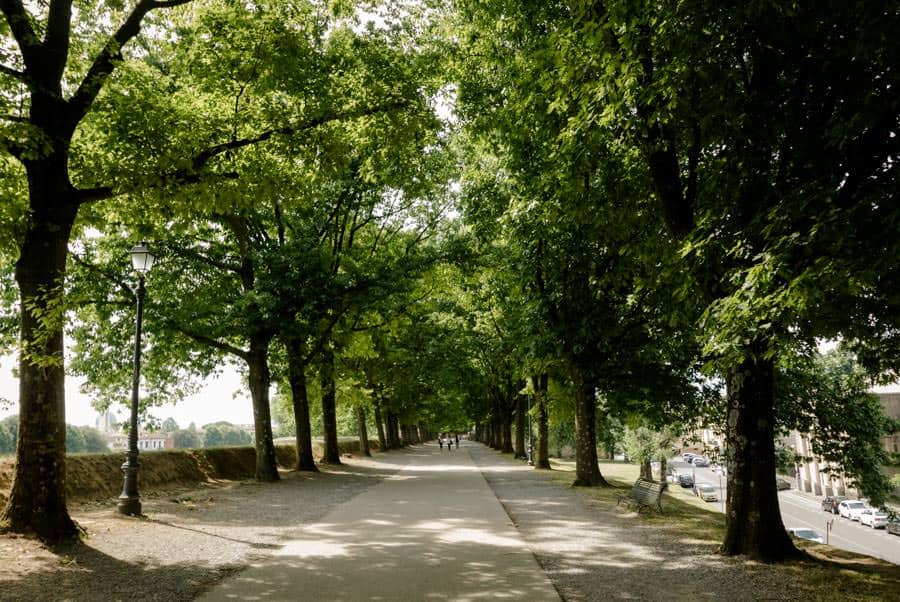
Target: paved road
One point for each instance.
(434, 530)
(802, 510)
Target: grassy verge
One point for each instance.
(827, 573)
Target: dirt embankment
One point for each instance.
(99, 476)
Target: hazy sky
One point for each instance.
(217, 401)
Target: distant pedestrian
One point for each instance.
(449, 443)
(441, 443)
(457, 440)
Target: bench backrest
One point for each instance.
(647, 491)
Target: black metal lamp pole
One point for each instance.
(130, 500)
(530, 436)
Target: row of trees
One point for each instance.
(631, 207)
(687, 195)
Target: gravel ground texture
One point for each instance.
(594, 553)
(187, 541)
(190, 540)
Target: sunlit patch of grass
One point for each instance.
(827, 573)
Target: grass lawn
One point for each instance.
(828, 573)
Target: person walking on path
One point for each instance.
(457, 440)
(449, 444)
(441, 443)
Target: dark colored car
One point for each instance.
(893, 526)
(685, 480)
(782, 484)
(830, 503)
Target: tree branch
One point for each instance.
(19, 75)
(56, 38)
(20, 24)
(121, 284)
(15, 118)
(211, 342)
(105, 62)
(203, 158)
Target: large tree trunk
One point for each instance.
(543, 447)
(300, 399)
(379, 424)
(753, 523)
(646, 470)
(587, 471)
(520, 426)
(332, 453)
(506, 434)
(363, 432)
(394, 440)
(37, 499)
(258, 364)
(663, 468)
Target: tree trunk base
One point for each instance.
(597, 481)
(63, 530)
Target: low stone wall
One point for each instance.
(99, 476)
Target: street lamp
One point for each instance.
(530, 436)
(130, 501)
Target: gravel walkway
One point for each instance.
(594, 553)
(190, 540)
(193, 540)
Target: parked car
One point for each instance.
(707, 493)
(830, 503)
(804, 533)
(700, 461)
(873, 517)
(685, 480)
(851, 509)
(687, 457)
(893, 526)
(782, 484)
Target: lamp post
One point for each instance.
(130, 500)
(530, 436)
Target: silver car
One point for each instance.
(875, 518)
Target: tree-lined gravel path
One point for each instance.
(416, 524)
(432, 531)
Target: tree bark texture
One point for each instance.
(506, 435)
(587, 470)
(258, 368)
(379, 424)
(543, 441)
(37, 499)
(753, 524)
(363, 432)
(394, 422)
(646, 470)
(332, 453)
(521, 421)
(300, 399)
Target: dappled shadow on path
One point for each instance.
(595, 551)
(433, 530)
(81, 573)
(187, 541)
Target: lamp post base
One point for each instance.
(129, 505)
(130, 500)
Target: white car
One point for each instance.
(804, 533)
(875, 518)
(851, 509)
(707, 493)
